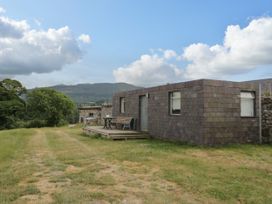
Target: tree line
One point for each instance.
(41, 107)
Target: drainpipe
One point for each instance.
(260, 114)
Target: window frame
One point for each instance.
(170, 99)
(122, 103)
(254, 103)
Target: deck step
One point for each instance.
(120, 133)
(115, 134)
(125, 137)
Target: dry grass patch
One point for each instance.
(60, 165)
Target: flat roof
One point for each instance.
(195, 82)
(89, 107)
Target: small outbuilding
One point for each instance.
(204, 112)
(93, 115)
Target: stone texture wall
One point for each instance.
(85, 113)
(222, 121)
(99, 112)
(267, 119)
(185, 127)
(105, 110)
(210, 112)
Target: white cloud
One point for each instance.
(72, 74)
(85, 38)
(2, 10)
(12, 29)
(243, 50)
(148, 70)
(24, 50)
(168, 54)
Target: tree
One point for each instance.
(13, 86)
(12, 107)
(50, 106)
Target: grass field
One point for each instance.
(60, 165)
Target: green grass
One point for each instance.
(76, 195)
(30, 190)
(83, 169)
(12, 144)
(13, 147)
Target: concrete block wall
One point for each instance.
(210, 112)
(222, 122)
(185, 127)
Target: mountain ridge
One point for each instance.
(93, 92)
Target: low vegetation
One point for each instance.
(60, 165)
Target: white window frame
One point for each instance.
(247, 104)
(122, 105)
(177, 99)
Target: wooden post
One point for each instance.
(260, 114)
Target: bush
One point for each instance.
(7, 123)
(36, 123)
(21, 124)
(62, 122)
(49, 105)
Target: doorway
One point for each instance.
(143, 113)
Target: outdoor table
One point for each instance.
(107, 122)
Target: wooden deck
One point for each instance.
(114, 134)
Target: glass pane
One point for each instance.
(176, 95)
(175, 103)
(250, 95)
(247, 107)
(122, 103)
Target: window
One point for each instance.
(247, 104)
(122, 105)
(91, 115)
(174, 102)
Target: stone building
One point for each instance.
(205, 112)
(93, 115)
(267, 118)
(106, 109)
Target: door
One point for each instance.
(143, 113)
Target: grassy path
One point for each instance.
(59, 165)
(102, 177)
(43, 176)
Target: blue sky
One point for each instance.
(128, 36)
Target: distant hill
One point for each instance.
(84, 93)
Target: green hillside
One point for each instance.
(83, 93)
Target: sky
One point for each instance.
(146, 43)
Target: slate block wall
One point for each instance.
(186, 127)
(210, 112)
(222, 122)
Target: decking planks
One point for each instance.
(115, 134)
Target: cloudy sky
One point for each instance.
(141, 42)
